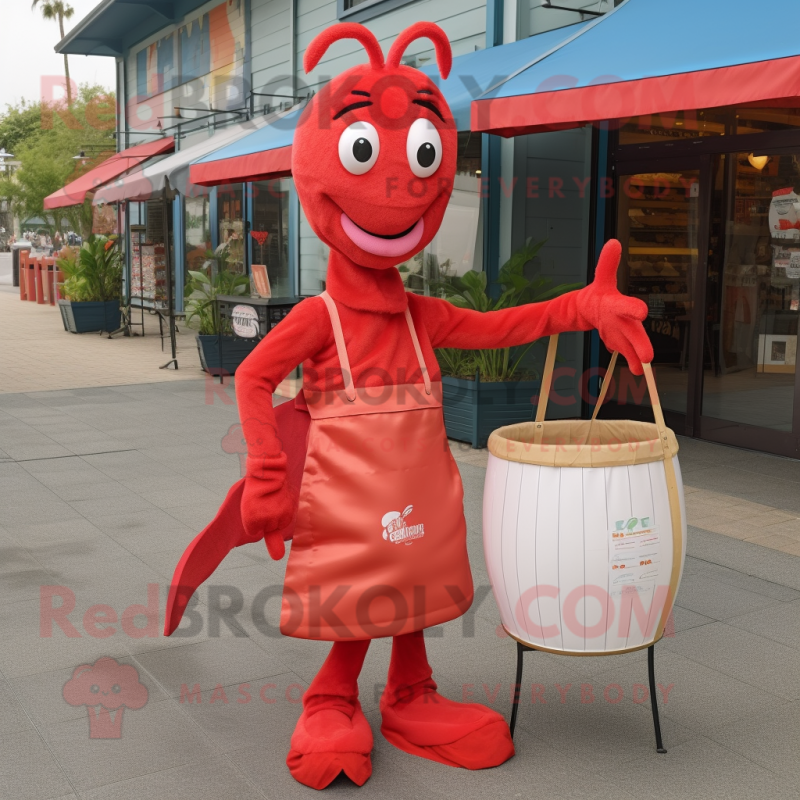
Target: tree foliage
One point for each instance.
(44, 138)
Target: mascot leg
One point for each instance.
(418, 720)
(332, 734)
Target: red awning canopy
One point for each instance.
(74, 193)
(648, 57)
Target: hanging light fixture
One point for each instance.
(758, 162)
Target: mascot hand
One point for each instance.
(618, 318)
(265, 514)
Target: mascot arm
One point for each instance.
(600, 305)
(268, 504)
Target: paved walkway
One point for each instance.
(101, 489)
(37, 354)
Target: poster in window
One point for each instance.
(261, 280)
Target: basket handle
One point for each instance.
(547, 382)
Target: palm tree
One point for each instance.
(58, 10)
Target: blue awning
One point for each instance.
(650, 56)
(267, 152)
(474, 73)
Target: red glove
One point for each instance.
(618, 318)
(266, 513)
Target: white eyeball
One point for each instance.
(359, 146)
(424, 148)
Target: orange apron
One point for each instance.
(379, 547)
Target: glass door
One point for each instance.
(753, 305)
(662, 228)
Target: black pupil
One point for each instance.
(426, 154)
(362, 150)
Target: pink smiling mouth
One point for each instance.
(382, 246)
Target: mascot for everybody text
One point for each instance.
(357, 470)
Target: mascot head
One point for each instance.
(374, 155)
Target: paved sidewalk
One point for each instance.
(102, 488)
(37, 354)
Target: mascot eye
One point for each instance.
(116, 688)
(359, 146)
(94, 689)
(424, 148)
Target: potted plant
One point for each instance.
(92, 285)
(202, 289)
(486, 389)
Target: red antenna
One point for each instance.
(423, 30)
(344, 30)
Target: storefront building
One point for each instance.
(692, 190)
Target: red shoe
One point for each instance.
(464, 735)
(328, 742)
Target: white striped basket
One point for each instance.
(584, 528)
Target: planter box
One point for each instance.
(473, 409)
(234, 351)
(89, 317)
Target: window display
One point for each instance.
(231, 226)
(270, 236)
(753, 295)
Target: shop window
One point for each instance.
(197, 232)
(270, 233)
(313, 259)
(761, 120)
(458, 246)
(753, 295)
(230, 207)
(676, 125)
(707, 122)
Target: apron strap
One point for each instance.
(344, 361)
(604, 387)
(338, 337)
(418, 350)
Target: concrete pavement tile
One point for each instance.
(31, 654)
(700, 698)
(743, 581)
(779, 623)
(755, 660)
(154, 738)
(744, 557)
(238, 715)
(770, 738)
(717, 600)
(224, 660)
(12, 715)
(783, 544)
(45, 533)
(196, 515)
(207, 780)
(699, 768)
(54, 509)
(28, 770)
(23, 584)
(685, 619)
(14, 558)
(123, 503)
(41, 694)
(165, 561)
(594, 732)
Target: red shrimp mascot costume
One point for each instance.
(357, 469)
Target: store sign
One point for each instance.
(245, 322)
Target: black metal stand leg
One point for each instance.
(651, 671)
(517, 686)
